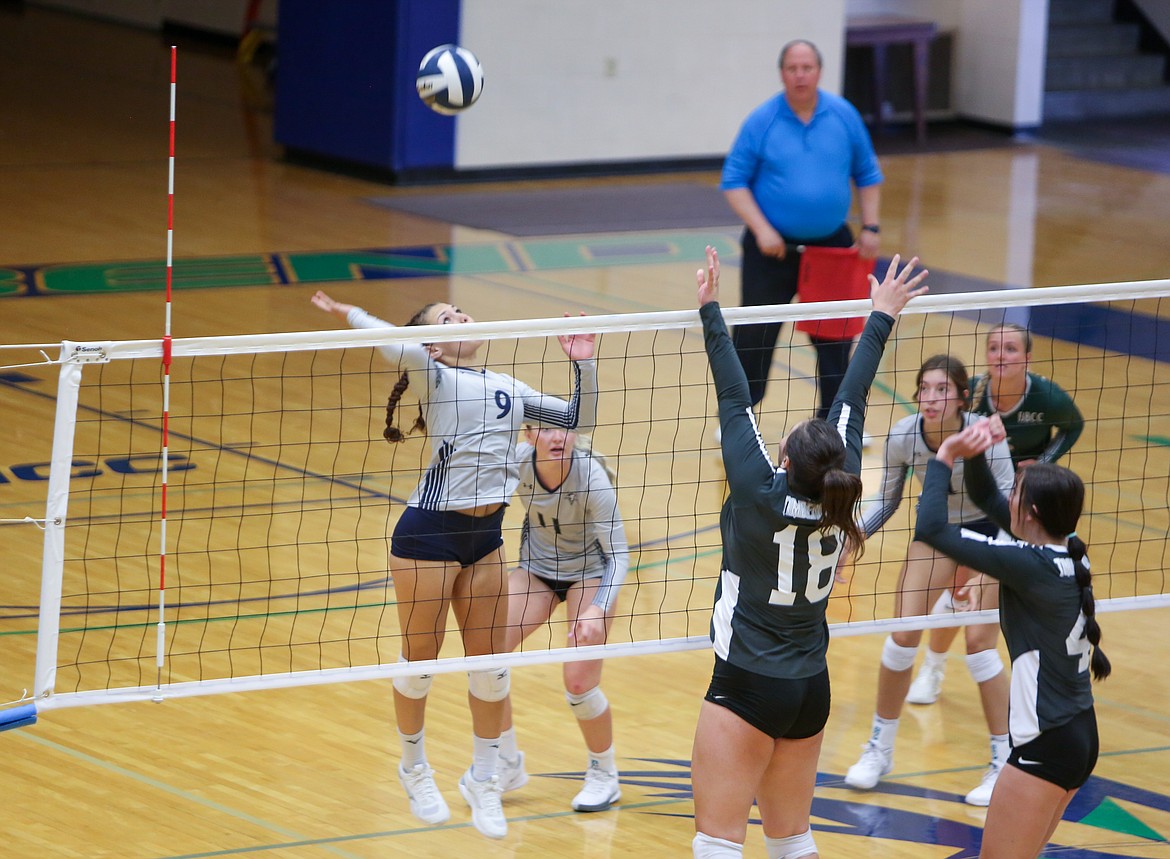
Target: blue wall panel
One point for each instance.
(345, 82)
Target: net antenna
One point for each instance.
(26, 713)
(166, 393)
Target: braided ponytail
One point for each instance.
(1100, 664)
(392, 433)
(1057, 496)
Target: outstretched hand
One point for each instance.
(330, 305)
(973, 440)
(579, 347)
(708, 278)
(896, 289)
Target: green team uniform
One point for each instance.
(1044, 425)
(778, 567)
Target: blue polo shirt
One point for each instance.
(800, 173)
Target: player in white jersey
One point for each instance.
(1042, 424)
(447, 547)
(573, 550)
(941, 390)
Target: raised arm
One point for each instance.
(745, 459)
(980, 483)
(410, 356)
(890, 296)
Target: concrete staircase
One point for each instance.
(1096, 67)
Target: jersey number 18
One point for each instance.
(821, 553)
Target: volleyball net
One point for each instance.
(262, 559)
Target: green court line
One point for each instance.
(361, 264)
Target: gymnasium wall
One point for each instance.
(615, 80)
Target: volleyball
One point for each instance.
(450, 79)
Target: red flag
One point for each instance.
(832, 274)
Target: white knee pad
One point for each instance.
(708, 847)
(896, 657)
(588, 706)
(490, 685)
(416, 686)
(792, 847)
(984, 665)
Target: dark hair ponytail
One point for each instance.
(816, 470)
(1056, 497)
(1100, 664)
(840, 495)
(392, 433)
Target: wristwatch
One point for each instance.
(871, 228)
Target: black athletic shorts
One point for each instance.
(559, 587)
(781, 708)
(1064, 755)
(444, 535)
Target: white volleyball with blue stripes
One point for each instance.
(450, 79)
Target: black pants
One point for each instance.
(767, 280)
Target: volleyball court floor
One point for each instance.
(308, 772)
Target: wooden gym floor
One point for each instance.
(305, 773)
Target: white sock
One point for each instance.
(508, 749)
(486, 758)
(884, 731)
(605, 760)
(414, 750)
(1001, 747)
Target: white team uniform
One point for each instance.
(906, 450)
(574, 532)
(473, 417)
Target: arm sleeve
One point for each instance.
(984, 489)
(610, 533)
(1009, 562)
(893, 485)
(408, 356)
(847, 413)
(745, 459)
(579, 413)
(1066, 419)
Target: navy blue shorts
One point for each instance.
(444, 535)
(781, 708)
(1064, 755)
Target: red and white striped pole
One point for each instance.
(162, 574)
